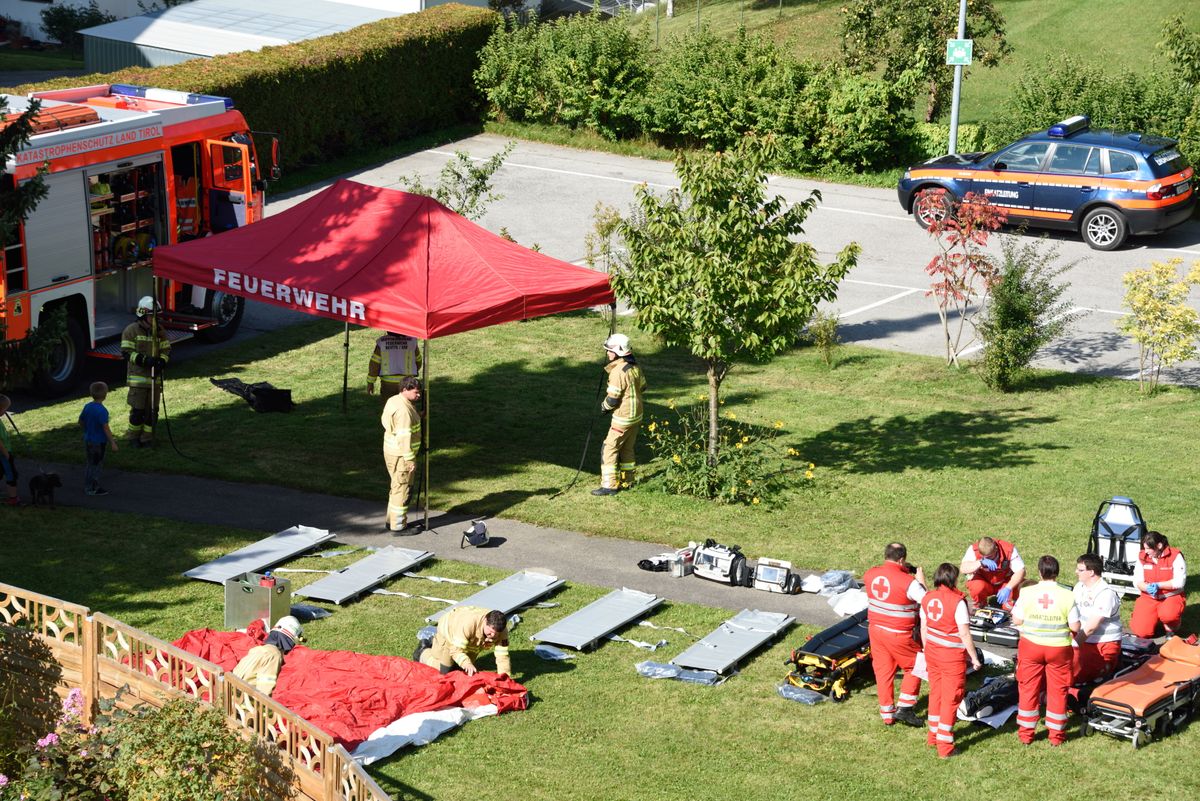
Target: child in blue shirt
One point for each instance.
(97, 436)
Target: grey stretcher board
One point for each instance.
(733, 639)
(508, 595)
(598, 619)
(354, 580)
(259, 556)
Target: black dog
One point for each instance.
(41, 488)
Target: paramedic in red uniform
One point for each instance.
(1097, 625)
(993, 567)
(1043, 615)
(1160, 573)
(894, 593)
(946, 630)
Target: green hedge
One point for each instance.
(933, 138)
(326, 97)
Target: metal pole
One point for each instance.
(346, 366)
(425, 423)
(962, 34)
(154, 372)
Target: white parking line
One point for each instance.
(575, 173)
(884, 286)
(862, 213)
(870, 306)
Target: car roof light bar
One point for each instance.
(1069, 126)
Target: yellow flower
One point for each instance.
(739, 445)
(651, 427)
(731, 415)
(793, 452)
(779, 424)
(749, 482)
(754, 501)
(676, 459)
(811, 466)
(808, 474)
(701, 397)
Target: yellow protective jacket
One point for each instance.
(394, 357)
(260, 667)
(401, 428)
(1045, 611)
(626, 384)
(136, 339)
(460, 639)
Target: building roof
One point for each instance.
(216, 27)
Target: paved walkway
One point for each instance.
(599, 561)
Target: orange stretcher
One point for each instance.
(1152, 700)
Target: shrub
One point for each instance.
(64, 22)
(932, 139)
(1160, 319)
(1025, 311)
(366, 87)
(751, 469)
(823, 332)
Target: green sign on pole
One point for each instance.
(958, 52)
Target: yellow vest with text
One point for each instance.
(1045, 610)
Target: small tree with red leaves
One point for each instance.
(963, 272)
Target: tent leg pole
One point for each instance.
(345, 367)
(425, 424)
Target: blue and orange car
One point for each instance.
(1104, 184)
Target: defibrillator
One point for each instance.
(775, 575)
(719, 563)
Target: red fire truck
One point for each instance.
(129, 168)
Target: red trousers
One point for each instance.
(1148, 612)
(980, 590)
(1042, 668)
(947, 684)
(890, 651)
(1094, 660)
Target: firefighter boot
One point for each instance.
(906, 716)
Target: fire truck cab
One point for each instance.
(128, 168)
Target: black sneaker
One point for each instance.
(97, 491)
(906, 716)
(410, 530)
(605, 491)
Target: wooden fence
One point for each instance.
(102, 656)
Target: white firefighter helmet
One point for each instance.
(291, 626)
(146, 305)
(618, 344)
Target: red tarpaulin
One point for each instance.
(384, 259)
(349, 695)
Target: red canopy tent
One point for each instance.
(384, 259)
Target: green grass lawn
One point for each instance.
(1120, 34)
(37, 60)
(903, 447)
(596, 730)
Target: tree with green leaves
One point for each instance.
(1161, 318)
(912, 34)
(713, 267)
(17, 202)
(464, 185)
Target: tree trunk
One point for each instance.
(714, 390)
(933, 105)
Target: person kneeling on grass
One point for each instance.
(463, 634)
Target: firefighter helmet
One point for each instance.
(291, 626)
(146, 306)
(618, 344)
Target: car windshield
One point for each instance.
(1167, 161)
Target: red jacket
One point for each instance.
(1160, 570)
(1002, 556)
(939, 606)
(888, 604)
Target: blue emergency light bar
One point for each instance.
(1071, 125)
(168, 95)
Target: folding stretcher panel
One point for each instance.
(514, 592)
(1152, 700)
(354, 580)
(733, 639)
(265, 553)
(598, 619)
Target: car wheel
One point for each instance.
(227, 311)
(1104, 228)
(66, 362)
(931, 206)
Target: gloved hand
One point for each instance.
(989, 564)
(1003, 596)
(140, 359)
(1152, 588)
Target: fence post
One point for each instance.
(330, 769)
(89, 665)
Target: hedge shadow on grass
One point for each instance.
(937, 441)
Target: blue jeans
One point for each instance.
(95, 463)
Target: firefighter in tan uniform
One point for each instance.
(262, 663)
(463, 634)
(396, 357)
(626, 385)
(147, 350)
(401, 441)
